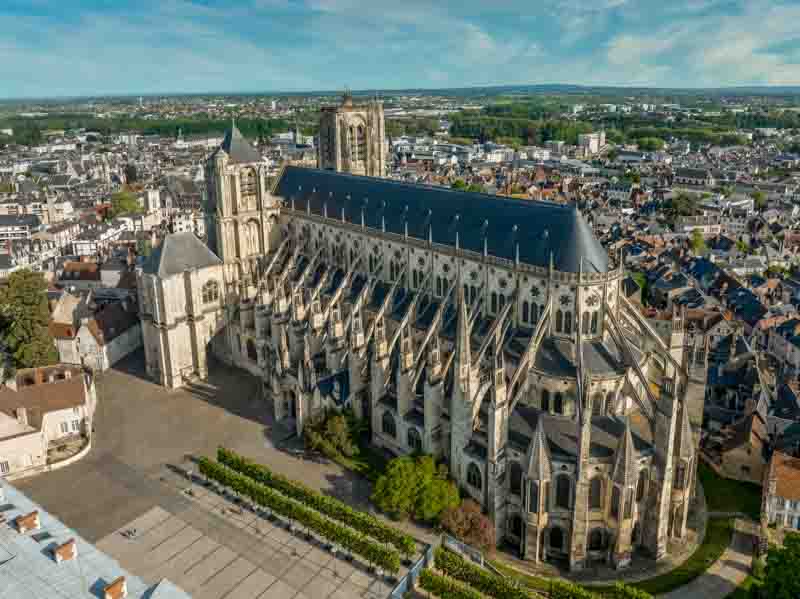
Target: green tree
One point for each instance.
(458, 185)
(124, 202)
(24, 319)
(651, 144)
(697, 242)
(760, 199)
(783, 570)
(144, 247)
(415, 486)
(338, 433)
(680, 205)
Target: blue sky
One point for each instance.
(85, 47)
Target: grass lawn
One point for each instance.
(717, 539)
(726, 495)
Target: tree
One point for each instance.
(651, 144)
(415, 486)
(124, 202)
(338, 433)
(697, 242)
(680, 205)
(783, 570)
(760, 199)
(24, 319)
(131, 174)
(467, 523)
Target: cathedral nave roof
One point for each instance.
(542, 228)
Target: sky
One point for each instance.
(104, 47)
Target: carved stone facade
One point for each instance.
(491, 333)
(352, 138)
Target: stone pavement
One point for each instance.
(143, 433)
(724, 575)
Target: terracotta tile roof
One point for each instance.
(39, 396)
(786, 469)
(60, 330)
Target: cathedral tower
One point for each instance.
(352, 138)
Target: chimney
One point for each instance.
(28, 522)
(66, 552)
(116, 590)
(22, 416)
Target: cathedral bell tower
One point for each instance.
(241, 214)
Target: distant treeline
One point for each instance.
(30, 130)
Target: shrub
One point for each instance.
(414, 486)
(467, 522)
(560, 589)
(444, 588)
(333, 508)
(350, 540)
(489, 584)
(623, 591)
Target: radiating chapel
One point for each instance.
(490, 332)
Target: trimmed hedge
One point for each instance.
(624, 591)
(560, 589)
(444, 588)
(350, 540)
(484, 581)
(331, 507)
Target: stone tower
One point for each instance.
(352, 138)
(241, 214)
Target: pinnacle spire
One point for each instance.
(538, 458)
(625, 460)
(462, 349)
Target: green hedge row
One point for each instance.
(333, 508)
(623, 591)
(489, 584)
(350, 540)
(444, 588)
(560, 589)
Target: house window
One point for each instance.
(562, 491)
(545, 400)
(558, 404)
(5, 468)
(596, 493)
(525, 310)
(641, 485)
(388, 425)
(65, 428)
(76, 426)
(594, 323)
(474, 478)
(494, 302)
(414, 440)
(559, 321)
(210, 292)
(516, 478)
(585, 323)
(615, 499)
(596, 540)
(533, 498)
(568, 322)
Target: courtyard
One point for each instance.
(145, 436)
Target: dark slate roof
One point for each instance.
(177, 253)
(238, 148)
(562, 433)
(542, 227)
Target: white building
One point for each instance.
(43, 408)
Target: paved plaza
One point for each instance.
(145, 435)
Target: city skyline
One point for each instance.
(81, 48)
